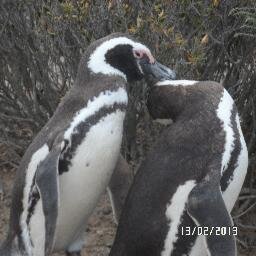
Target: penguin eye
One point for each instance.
(138, 54)
(141, 53)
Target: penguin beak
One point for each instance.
(156, 70)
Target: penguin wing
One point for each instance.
(48, 186)
(207, 209)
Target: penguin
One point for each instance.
(70, 162)
(119, 185)
(180, 201)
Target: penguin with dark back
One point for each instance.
(70, 162)
(191, 177)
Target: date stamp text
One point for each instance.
(208, 231)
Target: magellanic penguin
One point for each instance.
(69, 163)
(119, 185)
(191, 178)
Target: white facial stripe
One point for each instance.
(173, 213)
(36, 158)
(97, 62)
(106, 98)
(176, 82)
(224, 113)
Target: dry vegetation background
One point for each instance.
(41, 43)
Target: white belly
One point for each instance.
(88, 177)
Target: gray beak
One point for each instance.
(156, 70)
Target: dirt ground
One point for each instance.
(101, 228)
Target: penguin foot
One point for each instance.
(78, 253)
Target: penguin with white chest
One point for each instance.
(191, 177)
(70, 162)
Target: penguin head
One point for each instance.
(120, 55)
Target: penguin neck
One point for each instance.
(104, 89)
(184, 102)
(86, 80)
(166, 102)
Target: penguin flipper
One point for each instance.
(48, 186)
(207, 208)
